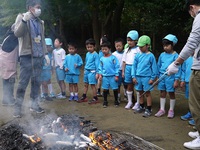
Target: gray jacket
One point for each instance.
(22, 31)
(193, 44)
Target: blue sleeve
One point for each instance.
(65, 63)
(178, 74)
(159, 64)
(134, 66)
(96, 62)
(80, 61)
(117, 66)
(100, 68)
(154, 68)
(183, 71)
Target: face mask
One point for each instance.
(37, 12)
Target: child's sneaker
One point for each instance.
(128, 105)
(160, 113)
(191, 122)
(139, 110)
(170, 114)
(105, 104)
(71, 98)
(59, 94)
(83, 99)
(186, 116)
(147, 113)
(42, 95)
(61, 97)
(52, 95)
(76, 98)
(136, 106)
(116, 103)
(99, 94)
(93, 101)
(193, 134)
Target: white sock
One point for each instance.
(72, 94)
(76, 94)
(138, 97)
(129, 95)
(162, 103)
(50, 87)
(172, 104)
(118, 94)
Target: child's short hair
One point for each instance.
(106, 44)
(119, 40)
(90, 41)
(59, 39)
(72, 44)
(167, 42)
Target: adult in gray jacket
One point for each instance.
(192, 47)
(30, 32)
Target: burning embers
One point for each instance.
(67, 132)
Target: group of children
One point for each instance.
(134, 66)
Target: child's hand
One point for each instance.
(134, 81)
(150, 81)
(116, 78)
(100, 77)
(122, 74)
(97, 76)
(182, 84)
(176, 83)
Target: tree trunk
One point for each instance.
(116, 20)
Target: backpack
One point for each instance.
(10, 42)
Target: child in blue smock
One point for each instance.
(46, 73)
(103, 39)
(90, 72)
(109, 73)
(185, 78)
(72, 65)
(169, 83)
(144, 73)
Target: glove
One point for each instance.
(47, 60)
(27, 16)
(172, 69)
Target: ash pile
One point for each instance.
(67, 132)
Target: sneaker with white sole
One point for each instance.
(128, 106)
(139, 110)
(193, 134)
(194, 144)
(147, 113)
(61, 97)
(160, 113)
(186, 116)
(136, 106)
(170, 114)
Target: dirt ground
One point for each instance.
(169, 134)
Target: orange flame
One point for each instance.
(35, 138)
(104, 142)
